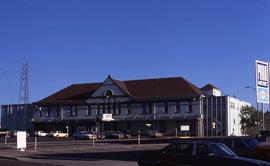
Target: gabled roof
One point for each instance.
(72, 93)
(160, 88)
(208, 87)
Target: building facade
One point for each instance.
(165, 105)
(17, 117)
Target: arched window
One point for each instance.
(109, 93)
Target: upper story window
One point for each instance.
(88, 111)
(177, 110)
(144, 109)
(128, 109)
(150, 108)
(73, 111)
(232, 105)
(119, 110)
(109, 93)
(166, 109)
(190, 107)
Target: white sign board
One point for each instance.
(107, 117)
(184, 127)
(262, 82)
(21, 140)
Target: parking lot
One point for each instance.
(82, 152)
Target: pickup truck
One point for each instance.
(58, 134)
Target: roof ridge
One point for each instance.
(194, 87)
(159, 78)
(122, 85)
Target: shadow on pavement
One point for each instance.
(120, 156)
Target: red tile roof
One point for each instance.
(161, 88)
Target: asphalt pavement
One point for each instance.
(81, 152)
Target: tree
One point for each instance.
(251, 120)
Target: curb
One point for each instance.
(9, 158)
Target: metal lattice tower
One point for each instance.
(24, 95)
(24, 89)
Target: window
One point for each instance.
(150, 108)
(119, 109)
(165, 108)
(239, 144)
(128, 109)
(109, 93)
(88, 112)
(232, 105)
(57, 113)
(184, 148)
(144, 108)
(73, 111)
(177, 110)
(114, 108)
(202, 149)
(190, 107)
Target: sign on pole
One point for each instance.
(21, 140)
(107, 117)
(184, 127)
(262, 82)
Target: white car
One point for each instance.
(84, 135)
(58, 134)
(40, 134)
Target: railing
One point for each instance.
(128, 117)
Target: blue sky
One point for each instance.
(66, 42)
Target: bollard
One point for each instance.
(35, 143)
(176, 132)
(139, 137)
(6, 139)
(93, 142)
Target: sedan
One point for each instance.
(84, 135)
(197, 153)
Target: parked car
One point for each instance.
(58, 134)
(84, 135)
(40, 134)
(196, 153)
(4, 132)
(263, 134)
(101, 135)
(155, 134)
(13, 133)
(243, 146)
(113, 135)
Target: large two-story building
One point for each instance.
(163, 104)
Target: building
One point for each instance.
(17, 117)
(221, 113)
(163, 104)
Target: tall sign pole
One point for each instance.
(262, 84)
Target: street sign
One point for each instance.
(184, 127)
(262, 82)
(107, 117)
(21, 140)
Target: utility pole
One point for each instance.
(24, 92)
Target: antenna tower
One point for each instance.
(24, 89)
(23, 96)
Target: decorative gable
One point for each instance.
(109, 85)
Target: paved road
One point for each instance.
(74, 153)
(8, 162)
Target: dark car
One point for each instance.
(263, 134)
(242, 146)
(113, 135)
(196, 153)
